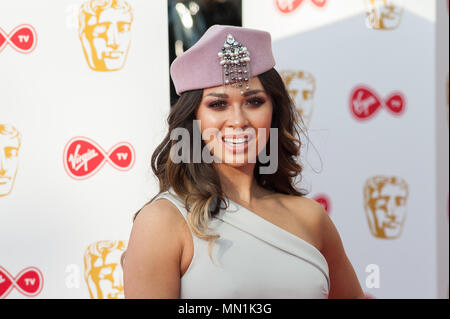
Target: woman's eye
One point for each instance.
(256, 101)
(217, 104)
(222, 104)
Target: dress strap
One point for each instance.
(170, 195)
(249, 222)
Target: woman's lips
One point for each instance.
(237, 148)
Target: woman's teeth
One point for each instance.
(236, 141)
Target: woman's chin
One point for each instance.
(237, 160)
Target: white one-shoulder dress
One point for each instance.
(252, 259)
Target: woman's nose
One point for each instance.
(238, 118)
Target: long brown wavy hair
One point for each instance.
(198, 184)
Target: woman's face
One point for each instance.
(235, 127)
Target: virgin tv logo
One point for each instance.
(289, 6)
(22, 38)
(365, 103)
(323, 200)
(28, 282)
(83, 157)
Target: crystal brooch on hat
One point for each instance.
(235, 59)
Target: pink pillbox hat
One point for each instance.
(200, 67)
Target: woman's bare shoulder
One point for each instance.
(160, 210)
(152, 260)
(302, 206)
(158, 223)
(307, 211)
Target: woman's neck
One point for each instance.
(239, 184)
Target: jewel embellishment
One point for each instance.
(235, 59)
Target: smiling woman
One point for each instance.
(228, 228)
(236, 117)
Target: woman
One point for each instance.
(233, 227)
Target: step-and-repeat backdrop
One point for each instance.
(84, 89)
(84, 93)
(370, 78)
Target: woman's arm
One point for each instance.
(343, 280)
(152, 260)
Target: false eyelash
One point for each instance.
(217, 104)
(260, 101)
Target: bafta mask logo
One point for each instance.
(105, 33)
(9, 157)
(102, 270)
(302, 87)
(385, 203)
(384, 14)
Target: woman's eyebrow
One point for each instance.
(225, 96)
(253, 92)
(220, 95)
